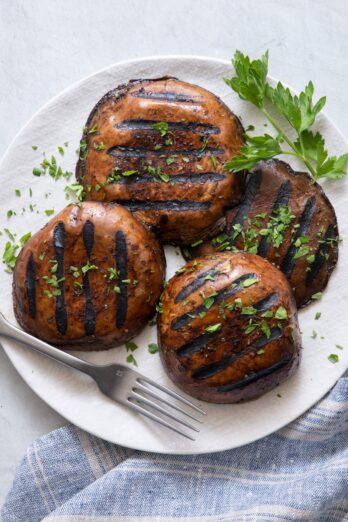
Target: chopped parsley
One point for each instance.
(87, 267)
(162, 127)
(75, 190)
(317, 296)
(281, 314)
(196, 243)
(99, 146)
(249, 282)
(212, 328)
(333, 358)
(152, 348)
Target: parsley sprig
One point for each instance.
(251, 84)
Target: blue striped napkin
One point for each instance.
(297, 474)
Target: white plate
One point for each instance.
(74, 395)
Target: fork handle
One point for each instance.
(10, 331)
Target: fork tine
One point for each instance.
(143, 400)
(146, 413)
(147, 390)
(171, 393)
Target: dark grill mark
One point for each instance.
(266, 302)
(198, 282)
(59, 236)
(256, 376)
(305, 220)
(194, 346)
(165, 96)
(30, 286)
(121, 258)
(142, 152)
(251, 190)
(174, 205)
(90, 314)
(187, 177)
(88, 237)
(281, 200)
(199, 128)
(320, 254)
(212, 369)
(225, 293)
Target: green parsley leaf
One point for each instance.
(128, 173)
(25, 238)
(339, 346)
(248, 310)
(34, 147)
(300, 252)
(250, 328)
(18, 193)
(317, 316)
(152, 348)
(131, 360)
(37, 171)
(10, 254)
(49, 212)
(87, 267)
(281, 314)
(249, 282)
(300, 111)
(317, 296)
(131, 346)
(333, 358)
(196, 243)
(99, 146)
(75, 190)
(162, 127)
(212, 328)
(265, 328)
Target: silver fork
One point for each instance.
(120, 383)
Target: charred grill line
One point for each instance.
(256, 376)
(59, 236)
(165, 96)
(90, 314)
(182, 320)
(198, 282)
(266, 302)
(140, 124)
(88, 237)
(195, 346)
(212, 369)
(142, 152)
(121, 258)
(187, 177)
(251, 189)
(305, 220)
(173, 205)
(282, 199)
(320, 254)
(30, 286)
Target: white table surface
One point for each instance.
(48, 44)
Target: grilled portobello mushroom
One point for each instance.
(89, 279)
(158, 147)
(228, 331)
(285, 217)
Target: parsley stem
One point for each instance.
(290, 143)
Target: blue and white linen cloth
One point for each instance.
(297, 474)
